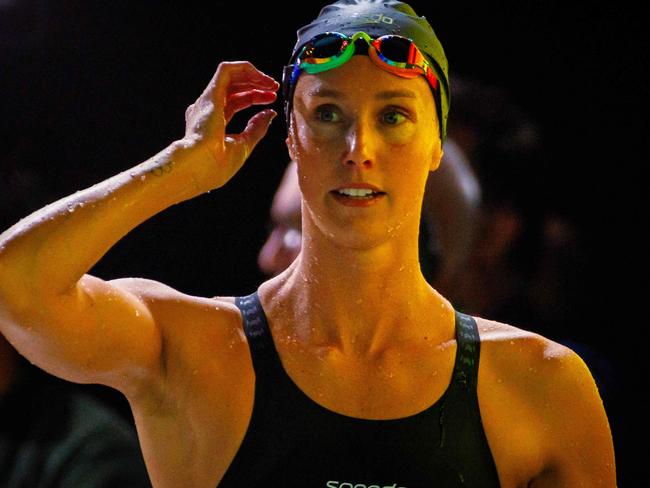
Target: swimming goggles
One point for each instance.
(396, 54)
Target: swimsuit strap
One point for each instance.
(265, 357)
(260, 340)
(469, 347)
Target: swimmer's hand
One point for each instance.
(235, 86)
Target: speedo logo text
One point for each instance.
(347, 484)
(373, 19)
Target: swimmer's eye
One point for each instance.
(326, 113)
(330, 114)
(393, 117)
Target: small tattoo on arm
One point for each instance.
(162, 169)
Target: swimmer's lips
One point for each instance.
(358, 201)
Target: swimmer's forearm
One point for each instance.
(50, 250)
(47, 254)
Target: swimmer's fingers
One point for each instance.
(234, 87)
(241, 145)
(245, 99)
(225, 95)
(240, 85)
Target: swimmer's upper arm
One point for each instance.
(97, 332)
(580, 448)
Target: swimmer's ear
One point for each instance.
(436, 157)
(290, 147)
(290, 140)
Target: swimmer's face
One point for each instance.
(359, 123)
(285, 231)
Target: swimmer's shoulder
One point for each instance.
(179, 314)
(527, 359)
(539, 394)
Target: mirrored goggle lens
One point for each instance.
(394, 48)
(324, 47)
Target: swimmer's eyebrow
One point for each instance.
(384, 95)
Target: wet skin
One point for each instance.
(375, 341)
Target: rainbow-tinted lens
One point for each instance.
(325, 52)
(396, 54)
(395, 49)
(324, 46)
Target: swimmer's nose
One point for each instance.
(359, 150)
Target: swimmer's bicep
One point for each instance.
(98, 332)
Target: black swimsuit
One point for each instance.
(293, 441)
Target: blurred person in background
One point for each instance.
(525, 263)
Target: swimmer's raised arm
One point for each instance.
(80, 327)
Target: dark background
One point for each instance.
(89, 89)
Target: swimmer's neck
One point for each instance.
(356, 301)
